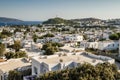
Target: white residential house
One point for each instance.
(71, 49)
(55, 39)
(70, 43)
(40, 40)
(108, 45)
(18, 36)
(12, 64)
(105, 36)
(74, 37)
(44, 64)
(28, 44)
(101, 45)
(86, 44)
(7, 41)
(92, 45)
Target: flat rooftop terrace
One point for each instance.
(79, 58)
(13, 64)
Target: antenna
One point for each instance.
(56, 16)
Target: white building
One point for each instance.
(92, 45)
(70, 43)
(74, 37)
(108, 45)
(12, 64)
(101, 45)
(43, 64)
(71, 49)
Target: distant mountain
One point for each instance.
(21, 23)
(5, 20)
(11, 21)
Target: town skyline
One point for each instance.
(40, 10)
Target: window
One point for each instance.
(108, 45)
(44, 70)
(113, 45)
(35, 70)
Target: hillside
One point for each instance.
(57, 20)
(12, 21)
(87, 19)
(5, 20)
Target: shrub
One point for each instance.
(19, 54)
(102, 71)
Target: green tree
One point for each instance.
(57, 44)
(5, 34)
(17, 30)
(114, 36)
(17, 45)
(28, 29)
(35, 37)
(102, 71)
(2, 49)
(49, 51)
(14, 75)
(50, 48)
(118, 35)
(20, 54)
(85, 37)
(9, 55)
(37, 30)
(2, 36)
(46, 35)
(18, 75)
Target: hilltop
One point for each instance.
(58, 20)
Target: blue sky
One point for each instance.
(69, 9)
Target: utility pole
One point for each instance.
(56, 16)
(119, 49)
